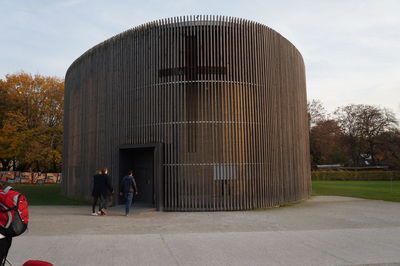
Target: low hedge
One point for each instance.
(355, 175)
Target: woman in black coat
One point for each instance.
(104, 189)
(96, 192)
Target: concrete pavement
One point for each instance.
(321, 231)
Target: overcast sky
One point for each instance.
(351, 48)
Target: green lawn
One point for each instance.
(45, 194)
(382, 190)
(50, 194)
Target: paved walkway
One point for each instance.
(321, 231)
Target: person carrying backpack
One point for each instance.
(14, 218)
(128, 187)
(5, 244)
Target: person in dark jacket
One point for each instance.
(105, 189)
(5, 242)
(96, 192)
(127, 189)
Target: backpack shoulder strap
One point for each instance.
(5, 191)
(134, 184)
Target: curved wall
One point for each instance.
(225, 97)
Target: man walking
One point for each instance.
(127, 189)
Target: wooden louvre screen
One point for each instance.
(226, 98)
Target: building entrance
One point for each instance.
(144, 161)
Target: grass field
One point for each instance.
(50, 194)
(381, 190)
(45, 194)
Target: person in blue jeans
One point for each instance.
(128, 189)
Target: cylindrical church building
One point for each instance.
(208, 111)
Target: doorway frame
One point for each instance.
(158, 174)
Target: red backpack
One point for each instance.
(13, 212)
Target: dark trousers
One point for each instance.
(95, 199)
(104, 201)
(5, 244)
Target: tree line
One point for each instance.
(354, 135)
(31, 122)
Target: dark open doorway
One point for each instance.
(145, 161)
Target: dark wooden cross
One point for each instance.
(191, 72)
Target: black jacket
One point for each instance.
(128, 184)
(102, 186)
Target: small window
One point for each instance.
(224, 172)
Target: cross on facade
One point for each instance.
(191, 72)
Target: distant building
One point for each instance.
(209, 111)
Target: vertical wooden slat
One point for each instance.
(239, 88)
(261, 137)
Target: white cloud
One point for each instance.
(379, 88)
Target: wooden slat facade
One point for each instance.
(225, 97)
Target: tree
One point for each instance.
(316, 112)
(326, 143)
(325, 136)
(31, 122)
(388, 148)
(362, 124)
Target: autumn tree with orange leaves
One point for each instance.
(31, 122)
